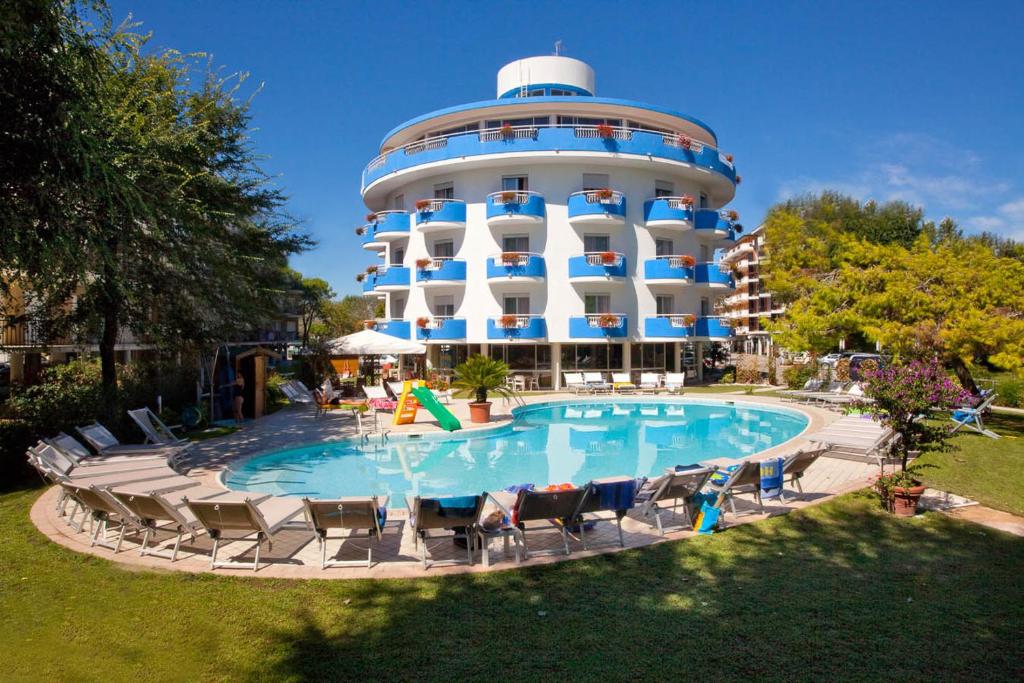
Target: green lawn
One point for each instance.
(990, 471)
(840, 591)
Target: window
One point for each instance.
(526, 121)
(516, 304)
(535, 92)
(591, 357)
(597, 303)
(664, 304)
(457, 130)
(705, 253)
(663, 247)
(705, 306)
(515, 243)
(664, 188)
(558, 92)
(444, 191)
(586, 121)
(397, 256)
(444, 306)
(444, 249)
(595, 243)
(595, 181)
(703, 201)
(397, 308)
(398, 202)
(515, 183)
(649, 356)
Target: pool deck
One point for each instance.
(295, 554)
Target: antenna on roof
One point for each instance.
(558, 47)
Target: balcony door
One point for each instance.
(515, 304)
(515, 183)
(444, 307)
(664, 304)
(664, 188)
(516, 243)
(596, 243)
(594, 304)
(398, 308)
(444, 191)
(397, 256)
(664, 247)
(444, 249)
(595, 181)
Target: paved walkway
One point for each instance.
(295, 554)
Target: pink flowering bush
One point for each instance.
(904, 395)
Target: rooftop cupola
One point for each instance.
(551, 75)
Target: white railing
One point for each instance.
(435, 322)
(434, 205)
(513, 259)
(381, 216)
(683, 142)
(508, 133)
(599, 258)
(512, 196)
(682, 203)
(377, 162)
(426, 145)
(602, 132)
(678, 319)
(513, 322)
(604, 320)
(603, 196)
(678, 261)
(436, 262)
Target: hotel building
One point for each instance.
(751, 306)
(552, 228)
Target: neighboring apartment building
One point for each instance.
(551, 228)
(751, 306)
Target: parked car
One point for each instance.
(831, 359)
(857, 359)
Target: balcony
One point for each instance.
(515, 208)
(435, 215)
(395, 328)
(391, 225)
(711, 276)
(441, 272)
(681, 151)
(712, 329)
(392, 279)
(672, 326)
(368, 235)
(711, 224)
(513, 327)
(598, 326)
(440, 328)
(515, 266)
(369, 282)
(597, 207)
(669, 270)
(599, 266)
(669, 212)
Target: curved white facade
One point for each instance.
(560, 232)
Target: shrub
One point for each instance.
(729, 374)
(1011, 391)
(748, 371)
(796, 376)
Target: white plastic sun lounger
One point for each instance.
(226, 518)
(622, 384)
(649, 382)
(595, 381)
(674, 381)
(574, 382)
(362, 513)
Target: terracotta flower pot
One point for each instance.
(480, 412)
(904, 500)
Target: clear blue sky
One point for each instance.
(918, 101)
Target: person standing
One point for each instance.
(238, 398)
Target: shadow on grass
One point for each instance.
(838, 591)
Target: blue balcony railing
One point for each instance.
(441, 212)
(368, 235)
(668, 268)
(395, 328)
(711, 274)
(369, 282)
(668, 326)
(517, 327)
(712, 221)
(442, 270)
(597, 264)
(392, 277)
(668, 210)
(517, 204)
(511, 265)
(442, 329)
(596, 204)
(643, 143)
(712, 327)
(391, 223)
(598, 326)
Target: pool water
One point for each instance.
(549, 443)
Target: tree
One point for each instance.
(154, 215)
(314, 295)
(943, 295)
(345, 316)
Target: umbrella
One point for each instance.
(373, 343)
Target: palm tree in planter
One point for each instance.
(480, 374)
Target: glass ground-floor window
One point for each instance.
(526, 359)
(650, 357)
(591, 357)
(450, 356)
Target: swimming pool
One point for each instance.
(546, 443)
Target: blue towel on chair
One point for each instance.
(616, 495)
(963, 416)
(771, 478)
(456, 506)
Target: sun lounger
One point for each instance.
(809, 386)
(796, 465)
(973, 417)
(649, 382)
(107, 445)
(355, 513)
(622, 384)
(595, 381)
(295, 394)
(674, 381)
(227, 519)
(103, 510)
(575, 383)
(556, 508)
(155, 430)
(672, 491)
(744, 479)
(610, 494)
(458, 514)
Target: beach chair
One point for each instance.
(649, 382)
(746, 478)
(106, 445)
(973, 418)
(595, 381)
(103, 511)
(364, 513)
(155, 430)
(458, 514)
(229, 519)
(810, 385)
(610, 494)
(556, 507)
(796, 464)
(672, 491)
(674, 381)
(575, 383)
(622, 384)
(296, 395)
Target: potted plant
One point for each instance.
(369, 324)
(604, 194)
(684, 320)
(728, 157)
(686, 200)
(683, 141)
(900, 395)
(687, 261)
(508, 197)
(422, 322)
(732, 215)
(480, 375)
(361, 230)
(360, 277)
(605, 131)
(510, 258)
(371, 218)
(424, 263)
(370, 270)
(423, 204)
(507, 131)
(507, 321)
(607, 320)
(739, 178)
(609, 258)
